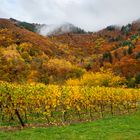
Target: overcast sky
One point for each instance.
(91, 15)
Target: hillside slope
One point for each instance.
(117, 48)
(25, 56)
(28, 56)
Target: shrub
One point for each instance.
(102, 78)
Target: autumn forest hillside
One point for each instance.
(27, 56)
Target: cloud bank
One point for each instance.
(90, 15)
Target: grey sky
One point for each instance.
(88, 14)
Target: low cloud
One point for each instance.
(90, 15)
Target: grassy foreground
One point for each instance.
(117, 128)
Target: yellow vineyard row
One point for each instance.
(55, 103)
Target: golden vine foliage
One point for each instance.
(54, 104)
